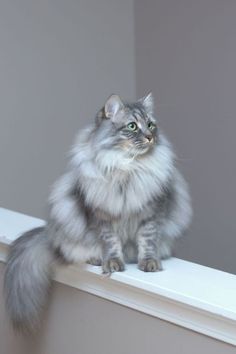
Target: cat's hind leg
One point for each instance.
(95, 261)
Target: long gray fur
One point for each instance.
(121, 200)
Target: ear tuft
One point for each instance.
(112, 106)
(148, 102)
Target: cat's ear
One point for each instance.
(112, 106)
(148, 102)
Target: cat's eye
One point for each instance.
(151, 126)
(132, 126)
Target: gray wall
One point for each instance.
(81, 323)
(186, 53)
(59, 60)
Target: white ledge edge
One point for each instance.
(178, 294)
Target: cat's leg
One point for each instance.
(95, 261)
(67, 224)
(148, 242)
(112, 255)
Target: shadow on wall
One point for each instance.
(186, 54)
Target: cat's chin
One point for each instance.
(141, 152)
(133, 151)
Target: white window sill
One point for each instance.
(187, 294)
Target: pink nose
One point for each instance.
(149, 138)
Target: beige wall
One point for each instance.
(59, 60)
(81, 323)
(186, 53)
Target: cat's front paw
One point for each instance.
(150, 265)
(113, 265)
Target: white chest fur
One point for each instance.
(119, 186)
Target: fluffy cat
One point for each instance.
(121, 200)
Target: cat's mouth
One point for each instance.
(144, 146)
(138, 148)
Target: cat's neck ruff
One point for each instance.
(117, 183)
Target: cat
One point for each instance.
(121, 200)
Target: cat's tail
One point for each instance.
(28, 278)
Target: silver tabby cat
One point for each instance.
(121, 200)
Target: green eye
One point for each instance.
(151, 126)
(132, 126)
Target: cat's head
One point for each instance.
(130, 127)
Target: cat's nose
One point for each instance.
(149, 138)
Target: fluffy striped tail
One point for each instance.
(28, 278)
